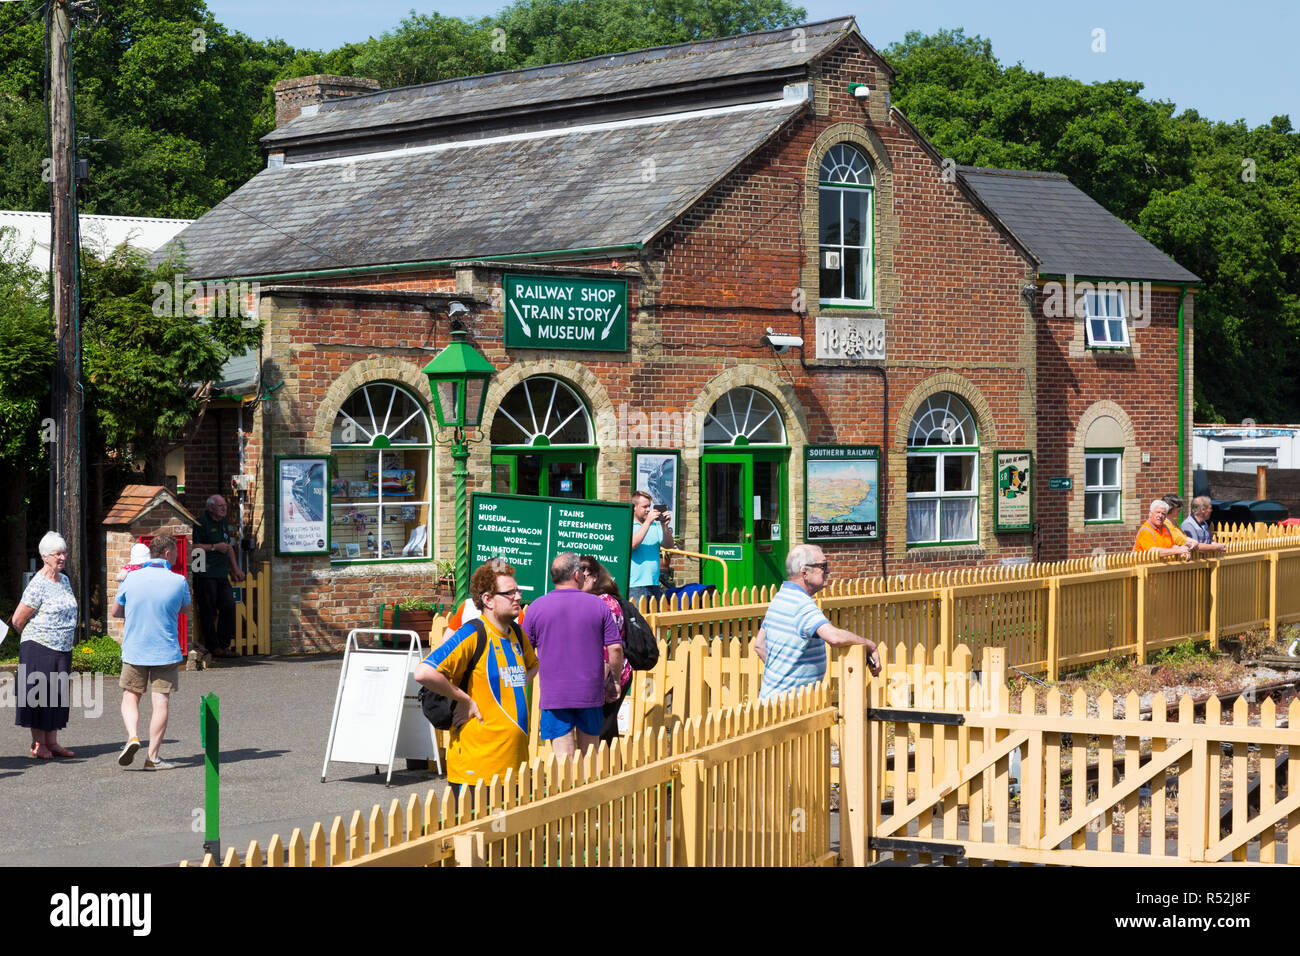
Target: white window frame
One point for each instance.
(942, 494)
(944, 427)
(1101, 490)
(845, 177)
(1105, 307)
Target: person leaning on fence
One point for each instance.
(1197, 527)
(792, 640)
(1154, 534)
(490, 725)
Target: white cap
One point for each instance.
(139, 553)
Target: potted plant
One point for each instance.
(411, 614)
(445, 568)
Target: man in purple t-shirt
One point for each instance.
(570, 630)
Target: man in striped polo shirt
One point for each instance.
(792, 641)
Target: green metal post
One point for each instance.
(209, 733)
(1182, 395)
(460, 455)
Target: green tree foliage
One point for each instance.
(145, 353)
(1221, 199)
(26, 355)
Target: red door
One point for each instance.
(182, 555)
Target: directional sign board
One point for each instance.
(550, 312)
(528, 532)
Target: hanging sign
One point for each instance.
(841, 492)
(549, 312)
(1013, 508)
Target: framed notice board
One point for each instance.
(841, 492)
(302, 494)
(528, 532)
(1013, 475)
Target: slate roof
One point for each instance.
(577, 188)
(1067, 231)
(580, 80)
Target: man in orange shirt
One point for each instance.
(1154, 534)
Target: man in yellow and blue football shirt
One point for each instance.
(490, 725)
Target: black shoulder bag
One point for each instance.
(439, 710)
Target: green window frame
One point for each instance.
(845, 231)
(543, 441)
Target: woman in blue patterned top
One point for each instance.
(47, 620)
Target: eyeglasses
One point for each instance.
(591, 571)
(825, 566)
(512, 593)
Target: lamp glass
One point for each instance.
(476, 390)
(448, 410)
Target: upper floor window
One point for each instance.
(1105, 320)
(845, 190)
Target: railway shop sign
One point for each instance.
(548, 312)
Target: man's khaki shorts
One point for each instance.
(161, 679)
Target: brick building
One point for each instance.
(983, 330)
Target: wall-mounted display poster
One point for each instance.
(1013, 508)
(841, 492)
(657, 472)
(304, 505)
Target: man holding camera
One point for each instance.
(649, 533)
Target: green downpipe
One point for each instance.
(1182, 396)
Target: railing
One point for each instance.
(748, 786)
(253, 613)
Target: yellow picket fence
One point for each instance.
(927, 772)
(746, 786)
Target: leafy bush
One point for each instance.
(417, 604)
(99, 655)
(1185, 653)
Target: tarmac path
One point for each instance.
(275, 720)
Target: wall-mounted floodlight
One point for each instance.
(860, 90)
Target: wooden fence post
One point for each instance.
(689, 814)
(855, 760)
(1053, 596)
(1214, 605)
(947, 607)
(1140, 614)
(1272, 595)
(469, 849)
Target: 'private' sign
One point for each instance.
(546, 312)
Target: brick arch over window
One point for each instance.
(1132, 510)
(986, 431)
(884, 220)
(385, 369)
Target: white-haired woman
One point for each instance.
(47, 620)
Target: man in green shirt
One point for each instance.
(212, 593)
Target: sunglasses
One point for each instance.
(825, 566)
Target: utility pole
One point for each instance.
(67, 511)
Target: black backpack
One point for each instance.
(639, 643)
(439, 710)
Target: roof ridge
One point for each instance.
(1018, 173)
(548, 70)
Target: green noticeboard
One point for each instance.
(529, 532)
(549, 312)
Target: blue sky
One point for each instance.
(1226, 60)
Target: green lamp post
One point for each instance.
(458, 378)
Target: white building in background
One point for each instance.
(1245, 447)
(99, 234)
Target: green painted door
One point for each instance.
(550, 473)
(744, 511)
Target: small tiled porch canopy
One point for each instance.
(141, 511)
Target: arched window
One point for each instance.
(743, 416)
(844, 192)
(942, 473)
(543, 442)
(382, 485)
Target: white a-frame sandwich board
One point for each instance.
(377, 717)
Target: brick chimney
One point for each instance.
(292, 96)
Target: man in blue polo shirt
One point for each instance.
(792, 641)
(150, 600)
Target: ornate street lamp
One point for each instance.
(458, 378)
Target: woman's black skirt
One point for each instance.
(43, 702)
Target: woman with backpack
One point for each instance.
(596, 580)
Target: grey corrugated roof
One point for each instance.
(1066, 230)
(747, 54)
(582, 188)
(238, 375)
